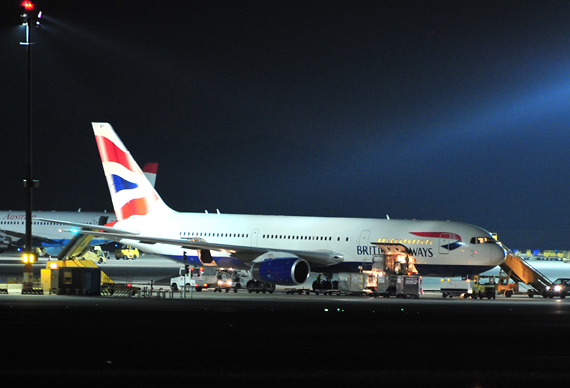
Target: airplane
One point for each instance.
(279, 250)
(48, 237)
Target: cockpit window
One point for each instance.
(482, 240)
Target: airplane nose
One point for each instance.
(498, 254)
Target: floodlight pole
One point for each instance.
(29, 183)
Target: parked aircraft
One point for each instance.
(281, 250)
(49, 237)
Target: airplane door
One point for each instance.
(444, 241)
(254, 235)
(364, 238)
(364, 241)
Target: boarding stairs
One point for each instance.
(520, 271)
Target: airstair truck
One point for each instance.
(484, 287)
(521, 271)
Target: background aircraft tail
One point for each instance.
(131, 191)
(150, 170)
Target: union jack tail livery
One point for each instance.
(131, 192)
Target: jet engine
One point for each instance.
(282, 271)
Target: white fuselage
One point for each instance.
(439, 247)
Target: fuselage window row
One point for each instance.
(265, 236)
(405, 241)
(210, 234)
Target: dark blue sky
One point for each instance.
(453, 110)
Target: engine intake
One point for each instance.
(283, 271)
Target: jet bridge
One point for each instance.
(520, 271)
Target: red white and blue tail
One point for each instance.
(131, 192)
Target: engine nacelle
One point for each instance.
(283, 271)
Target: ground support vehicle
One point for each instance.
(127, 253)
(560, 287)
(324, 284)
(348, 283)
(391, 273)
(259, 286)
(300, 291)
(355, 283)
(228, 279)
(179, 282)
(197, 277)
(521, 271)
(386, 286)
(508, 287)
(408, 286)
(96, 254)
(461, 288)
(484, 286)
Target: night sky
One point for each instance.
(452, 110)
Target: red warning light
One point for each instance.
(28, 5)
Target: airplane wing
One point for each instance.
(245, 253)
(91, 227)
(35, 237)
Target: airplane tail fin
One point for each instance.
(149, 171)
(131, 191)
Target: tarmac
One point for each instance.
(259, 339)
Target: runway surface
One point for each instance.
(256, 339)
(293, 338)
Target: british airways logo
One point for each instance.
(443, 236)
(371, 250)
